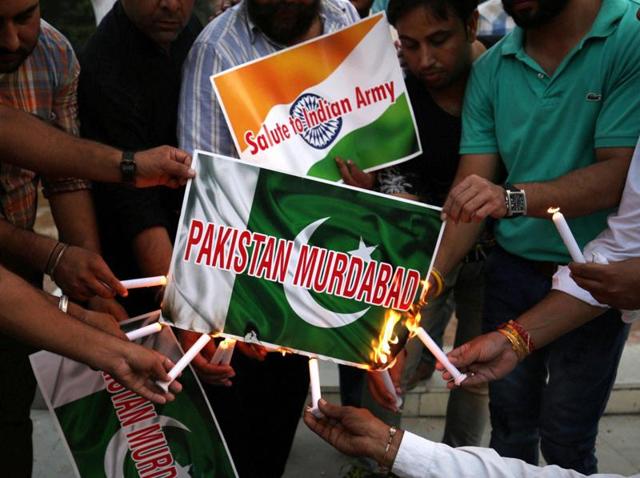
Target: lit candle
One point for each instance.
(144, 282)
(185, 360)
(223, 353)
(314, 379)
(566, 235)
(440, 356)
(391, 388)
(145, 331)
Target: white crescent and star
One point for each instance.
(117, 448)
(300, 299)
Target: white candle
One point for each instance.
(228, 352)
(144, 282)
(223, 353)
(145, 331)
(440, 356)
(566, 235)
(314, 379)
(388, 383)
(185, 360)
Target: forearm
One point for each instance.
(55, 153)
(28, 316)
(557, 314)
(21, 247)
(152, 249)
(456, 242)
(580, 192)
(75, 218)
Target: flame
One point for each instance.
(382, 347)
(413, 322)
(553, 210)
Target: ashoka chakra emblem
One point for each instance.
(319, 130)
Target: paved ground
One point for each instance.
(618, 448)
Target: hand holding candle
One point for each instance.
(223, 353)
(185, 360)
(566, 235)
(391, 388)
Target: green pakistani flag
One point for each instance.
(111, 432)
(293, 262)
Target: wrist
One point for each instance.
(515, 201)
(392, 442)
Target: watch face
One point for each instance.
(517, 203)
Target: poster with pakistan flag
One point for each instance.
(341, 94)
(111, 432)
(294, 262)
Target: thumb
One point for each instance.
(178, 170)
(330, 410)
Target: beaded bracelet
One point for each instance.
(383, 467)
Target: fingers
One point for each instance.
(213, 374)
(379, 391)
(345, 172)
(108, 284)
(331, 411)
(595, 272)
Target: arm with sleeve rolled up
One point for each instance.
(57, 153)
(28, 316)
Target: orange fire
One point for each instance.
(413, 322)
(382, 346)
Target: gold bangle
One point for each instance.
(518, 347)
(439, 281)
(384, 468)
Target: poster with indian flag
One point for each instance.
(341, 94)
(297, 263)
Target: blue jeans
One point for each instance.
(557, 395)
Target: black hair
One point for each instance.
(441, 8)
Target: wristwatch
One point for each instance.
(515, 200)
(128, 167)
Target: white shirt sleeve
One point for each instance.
(620, 241)
(420, 458)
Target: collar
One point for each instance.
(254, 31)
(611, 11)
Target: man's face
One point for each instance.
(533, 13)
(437, 51)
(283, 20)
(19, 31)
(161, 20)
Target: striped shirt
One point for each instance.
(230, 40)
(45, 86)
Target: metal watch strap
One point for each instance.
(128, 167)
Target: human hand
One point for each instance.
(484, 359)
(254, 351)
(82, 274)
(352, 431)
(163, 166)
(473, 199)
(377, 388)
(138, 368)
(354, 176)
(101, 321)
(212, 374)
(108, 306)
(615, 284)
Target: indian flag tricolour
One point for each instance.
(342, 94)
(111, 432)
(295, 262)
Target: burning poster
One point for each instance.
(296, 263)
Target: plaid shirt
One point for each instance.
(45, 86)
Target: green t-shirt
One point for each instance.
(544, 127)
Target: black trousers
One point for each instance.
(259, 414)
